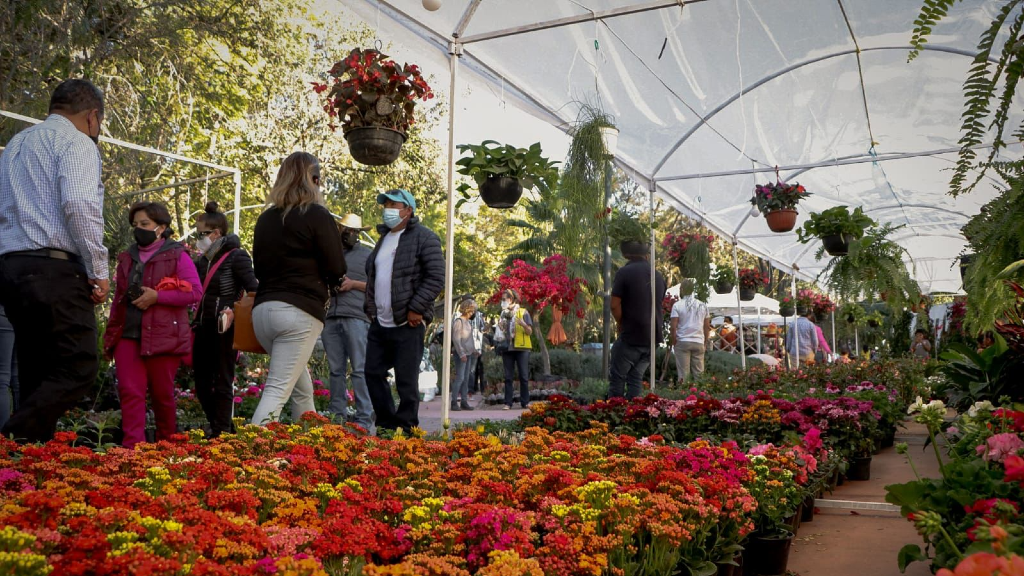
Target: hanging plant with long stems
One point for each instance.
(691, 252)
(874, 265)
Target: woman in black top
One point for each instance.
(213, 357)
(299, 260)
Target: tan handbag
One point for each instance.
(245, 335)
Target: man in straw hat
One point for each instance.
(346, 329)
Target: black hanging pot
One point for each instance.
(501, 191)
(747, 294)
(965, 262)
(850, 318)
(374, 145)
(837, 244)
(786, 311)
(723, 287)
(873, 323)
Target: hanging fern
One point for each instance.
(981, 115)
(874, 266)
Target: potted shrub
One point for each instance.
(629, 233)
(375, 98)
(502, 172)
(751, 280)
(778, 497)
(691, 252)
(777, 201)
(853, 313)
(874, 320)
(836, 227)
(786, 307)
(724, 278)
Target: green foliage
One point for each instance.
(623, 227)
(490, 159)
(985, 114)
(996, 236)
(853, 310)
(695, 262)
(369, 89)
(973, 376)
(724, 274)
(873, 266)
(835, 221)
(778, 196)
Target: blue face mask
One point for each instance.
(392, 217)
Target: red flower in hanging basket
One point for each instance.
(752, 279)
(676, 245)
(778, 196)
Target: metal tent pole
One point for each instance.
(856, 340)
(454, 51)
(796, 333)
(739, 306)
(835, 350)
(758, 329)
(606, 340)
(654, 303)
(236, 225)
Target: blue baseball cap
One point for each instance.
(398, 195)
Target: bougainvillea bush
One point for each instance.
(314, 499)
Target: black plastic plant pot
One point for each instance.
(850, 318)
(501, 192)
(965, 262)
(837, 244)
(767, 555)
(786, 311)
(723, 287)
(747, 294)
(374, 145)
(873, 323)
(860, 469)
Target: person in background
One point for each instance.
(985, 340)
(9, 388)
(517, 325)
(51, 242)
(728, 336)
(690, 327)
(921, 348)
(865, 353)
(225, 271)
(480, 336)
(808, 336)
(824, 351)
(404, 275)
(298, 259)
(464, 355)
(631, 306)
(148, 334)
(844, 355)
(346, 329)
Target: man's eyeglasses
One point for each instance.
(204, 234)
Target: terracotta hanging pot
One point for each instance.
(374, 145)
(781, 220)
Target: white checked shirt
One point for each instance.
(51, 195)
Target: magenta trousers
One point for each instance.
(137, 375)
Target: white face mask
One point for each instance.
(505, 304)
(204, 243)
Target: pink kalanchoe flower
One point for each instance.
(999, 447)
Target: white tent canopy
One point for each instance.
(725, 304)
(706, 92)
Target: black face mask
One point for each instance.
(144, 237)
(350, 239)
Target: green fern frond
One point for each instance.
(931, 13)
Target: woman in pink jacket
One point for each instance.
(822, 343)
(148, 333)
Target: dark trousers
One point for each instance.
(520, 359)
(49, 305)
(400, 348)
(213, 360)
(628, 365)
(477, 383)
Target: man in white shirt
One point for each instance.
(690, 326)
(54, 265)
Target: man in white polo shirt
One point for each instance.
(691, 324)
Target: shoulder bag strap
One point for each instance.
(213, 269)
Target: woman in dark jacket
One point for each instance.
(299, 261)
(213, 357)
(148, 334)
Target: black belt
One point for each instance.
(47, 253)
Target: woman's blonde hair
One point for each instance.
(297, 184)
(466, 304)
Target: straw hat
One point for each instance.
(354, 222)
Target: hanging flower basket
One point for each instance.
(374, 145)
(723, 287)
(837, 244)
(778, 201)
(786, 308)
(691, 252)
(501, 191)
(375, 98)
(724, 279)
(751, 280)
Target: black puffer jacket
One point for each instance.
(417, 277)
(234, 277)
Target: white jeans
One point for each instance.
(288, 334)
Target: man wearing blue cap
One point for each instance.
(405, 274)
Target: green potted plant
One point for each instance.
(874, 266)
(777, 201)
(502, 171)
(836, 227)
(751, 280)
(629, 233)
(724, 278)
(854, 313)
(375, 98)
(691, 252)
(875, 319)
